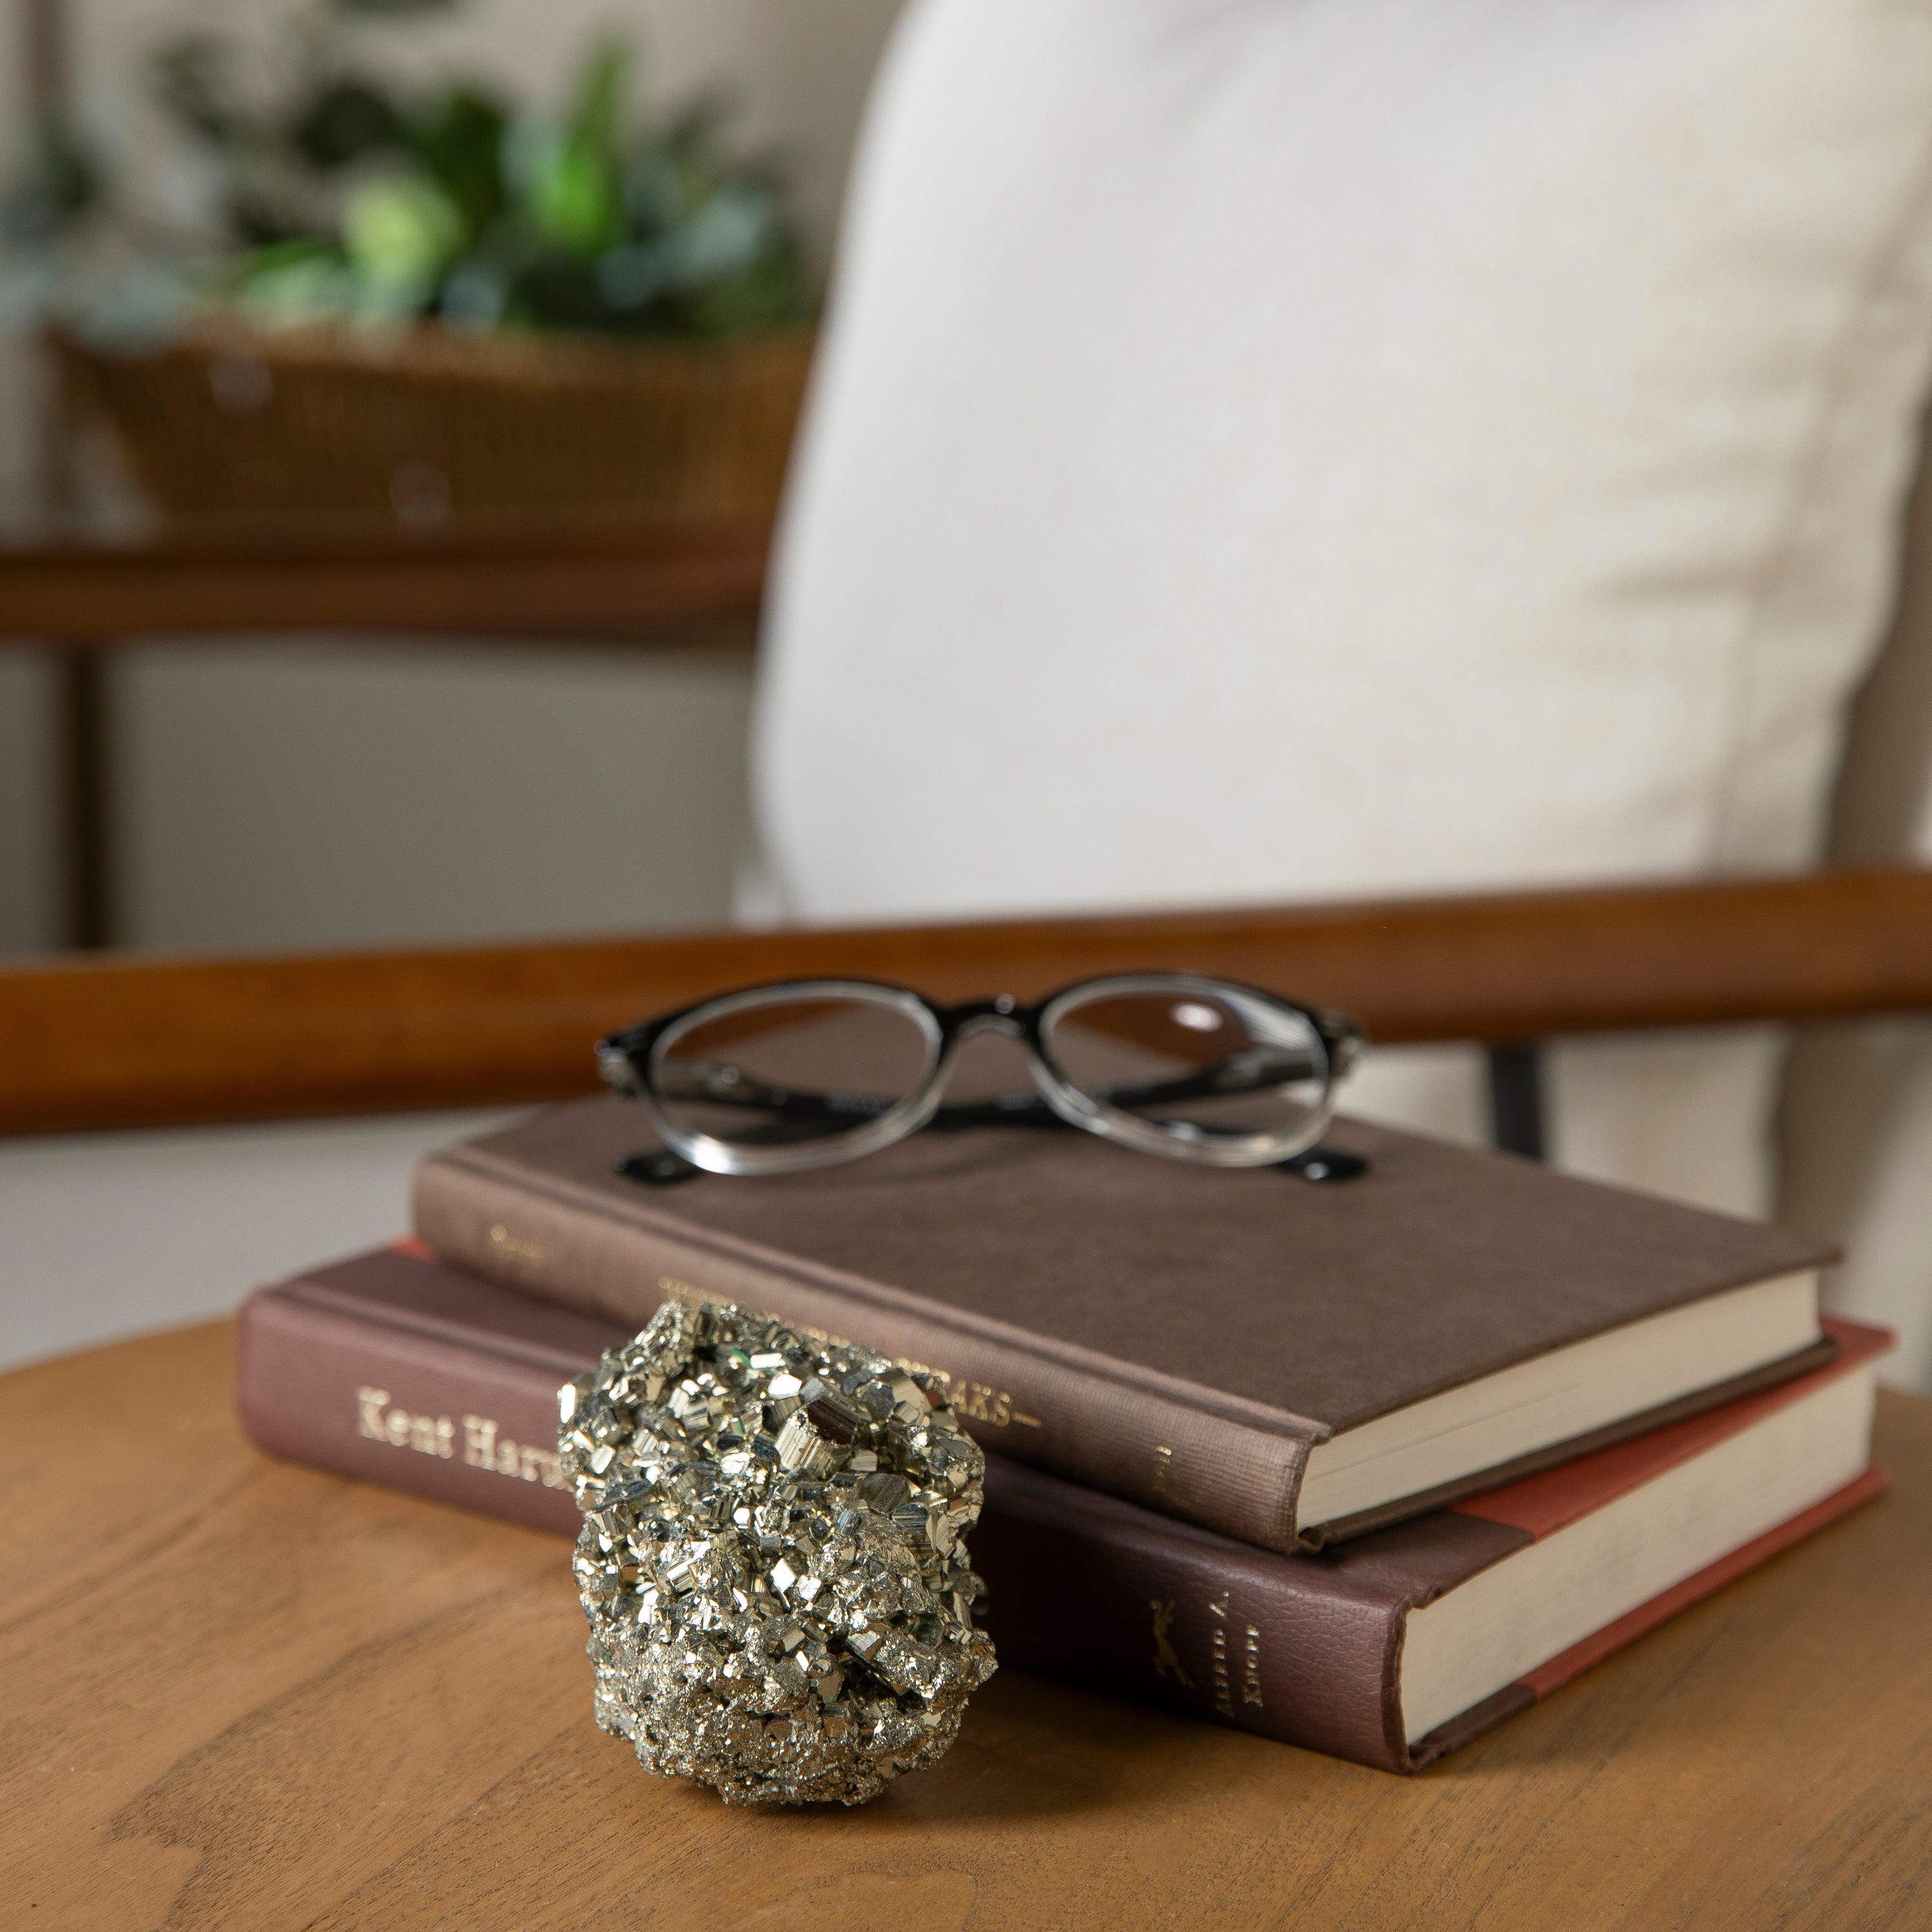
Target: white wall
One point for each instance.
(298, 794)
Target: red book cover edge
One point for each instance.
(1545, 1503)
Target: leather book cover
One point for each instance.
(396, 1369)
(1178, 1336)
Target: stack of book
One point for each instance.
(1365, 1468)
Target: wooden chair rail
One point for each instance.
(130, 1041)
(590, 577)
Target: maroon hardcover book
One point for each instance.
(397, 1369)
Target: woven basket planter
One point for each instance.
(423, 422)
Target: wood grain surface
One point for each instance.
(237, 1694)
(127, 1042)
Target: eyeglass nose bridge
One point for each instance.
(1001, 1016)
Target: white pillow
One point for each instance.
(1857, 1138)
(1276, 448)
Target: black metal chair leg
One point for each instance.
(1516, 1100)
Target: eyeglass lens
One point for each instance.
(1198, 1063)
(794, 1071)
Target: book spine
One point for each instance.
(410, 1412)
(1112, 1600)
(1164, 1454)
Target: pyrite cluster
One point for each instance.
(772, 1559)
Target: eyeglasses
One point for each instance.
(805, 1073)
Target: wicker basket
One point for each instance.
(423, 422)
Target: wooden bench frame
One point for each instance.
(98, 1041)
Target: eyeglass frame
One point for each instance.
(628, 1060)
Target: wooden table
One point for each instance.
(235, 1693)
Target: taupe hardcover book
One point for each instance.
(1286, 1363)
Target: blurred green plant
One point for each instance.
(347, 197)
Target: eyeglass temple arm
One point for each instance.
(722, 1085)
(800, 1112)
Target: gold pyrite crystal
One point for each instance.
(773, 1560)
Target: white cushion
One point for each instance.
(1274, 449)
(1857, 1138)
